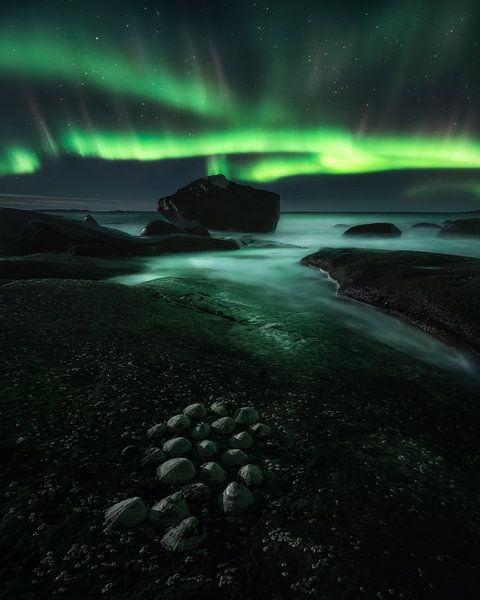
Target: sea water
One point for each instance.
(297, 308)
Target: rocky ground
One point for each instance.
(371, 489)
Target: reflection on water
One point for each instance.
(298, 306)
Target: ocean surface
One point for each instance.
(296, 309)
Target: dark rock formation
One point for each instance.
(162, 227)
(416, 285)
(90, 220)
(461, 227)
(27, 232)
(221, 204)
(426, 226)
(159, 227)
(383, 229)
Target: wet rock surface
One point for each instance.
(221, 204)
(371, 487)
(438, 292)
(28, 232)
(373, 229)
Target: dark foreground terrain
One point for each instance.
(372, 485)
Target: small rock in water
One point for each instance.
(157, 432)
(250, 475)
(176, 471)
(178, 446)
(242, 441)
(213, 473)
(234, 458)
(169, 511)
(246, 415)
(185, 536)
(178, 423)
(126, 514)
(206, 449)
(219, 408)
(224, 425)
(195, 411)
(235, 499)
(201, 431)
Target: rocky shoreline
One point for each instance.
(438, 292)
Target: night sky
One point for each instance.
(336, 105)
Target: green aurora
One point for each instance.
(202, 111)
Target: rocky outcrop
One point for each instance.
(383, 229)
(27, 232)
(438, 292)
(461, 227)
(162, 227)
(221, 204)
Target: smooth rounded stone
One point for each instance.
(126, 514)
(195, 411)
(178, 446)
(170, 510)
(206, 449)
(153, 456)
(235, 499)
(185, 536)
(213, 473)
(178, 423)
(224, 425)
(201, 431)
(234, 458)
(219, 408)
(242, 441)
(196, 492)
(157, 432)
(176, 471)
(129, 451)
(261, 430)
(246, 415)
(250, 475)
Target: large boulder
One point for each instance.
(221, 204)
(461, 227)
(383, 229)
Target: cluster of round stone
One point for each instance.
(207, 444)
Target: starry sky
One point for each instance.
(346, 105)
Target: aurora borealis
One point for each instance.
(260, 91)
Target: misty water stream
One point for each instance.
(296, 310)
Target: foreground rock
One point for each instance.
(383, 229)
(221, 204)
(438, 292)
(461, 227)
(26, 232)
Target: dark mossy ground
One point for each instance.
(373, 483)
